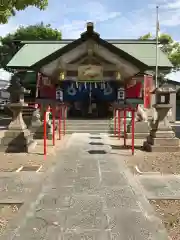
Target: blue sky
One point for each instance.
(112, 18)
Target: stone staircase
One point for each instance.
(93, 126)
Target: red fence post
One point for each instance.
(53, 123)
(124, 127)
(64, 117)
(115, 121)
(60, 109)
(133, 119)
(45, 135)
(119, 123)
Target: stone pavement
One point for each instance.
(89, 196)
(159, 186)
(16, 187)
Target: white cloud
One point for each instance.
(8, 28)
(99, 14)
(4, 75)
(175, 76)
(172, 4)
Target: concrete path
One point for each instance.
(90, 195)
(16, 187)
(161, 186)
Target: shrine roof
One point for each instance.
(140, 51)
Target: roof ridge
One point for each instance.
(113, 41)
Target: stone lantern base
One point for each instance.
(141, 130)
(17, 138)
(37, 126)
(162, 137)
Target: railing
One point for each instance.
(117, 124)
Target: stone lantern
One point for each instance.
(162, 137)
(17, 138)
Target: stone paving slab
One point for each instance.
(161, 186)
(15, 187)
(82, 199)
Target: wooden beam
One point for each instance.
(106, 67)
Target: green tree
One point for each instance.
(9, 8)
(11, 42)
(168, 46)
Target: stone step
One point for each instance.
(87, 129)
(152, 148)
(163, 141)
(92, 131)
(87, 124)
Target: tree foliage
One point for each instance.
(168, 46)
(10, 43)
(9, 8)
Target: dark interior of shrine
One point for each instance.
(89, 99)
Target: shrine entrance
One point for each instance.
(89, 99)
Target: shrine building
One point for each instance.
(90, 70)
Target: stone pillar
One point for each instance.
(162, 137)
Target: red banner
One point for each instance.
(46, 88)
(148, 84)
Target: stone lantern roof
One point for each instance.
(165, 88)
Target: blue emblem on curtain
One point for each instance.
(80, 91)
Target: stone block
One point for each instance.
(141, 130)
(137, 135)
(15, 141)
(38, 131)
(160, 148)
(162, 134)
(163, 141)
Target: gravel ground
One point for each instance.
(169, 212)
(7, 212)
(12, 161)
(167, 163)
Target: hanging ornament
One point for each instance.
(118, 76)
(85, 85)
(72, 90)
(104, 85)
(95, 85)
(101, 85)
(90, 89)
(108, 90)
(76, 84)
(61, 76)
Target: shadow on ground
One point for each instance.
(127, 147)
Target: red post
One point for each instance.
(60, 109)
(64, 117)
(45, 135)
(53, 123)
(124, 127)
(119, 123)
(115, 121)
(133, 127)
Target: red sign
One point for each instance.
(148, 84)
(46, 88)
(134, 90)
